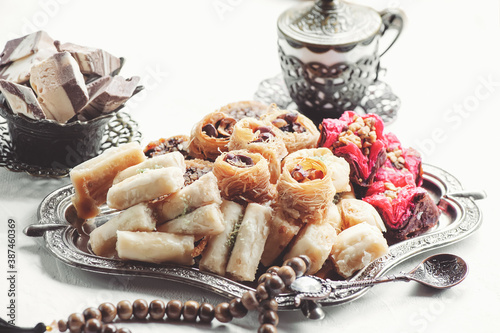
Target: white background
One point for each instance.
(195, 56)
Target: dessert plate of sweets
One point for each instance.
(251, 186)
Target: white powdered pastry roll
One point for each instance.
(340, 173)
(202, 192)
(334, 217)
(249, 245)
(204, 221)
(144, 187)
(305, 188)
(93, 178)
(356, 211)
(357, 247)
(344, 195)
(281, 232)
(261, 137)
(315, 240)
(155, 247)
(174, 159)
(136, 218)
(216, 254)
(338, 166)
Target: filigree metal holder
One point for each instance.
(120, 129)
(377, 98)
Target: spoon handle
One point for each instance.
(475, 195)
(37, 230)
(367, 283)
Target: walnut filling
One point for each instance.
(246, 111)
(288, 123)
(164, 146)
(264, 134)
(396, 158)
(391, 191)
(221, 129)
(361, 132)
(192, 174)
(301, 175)
(240, 161)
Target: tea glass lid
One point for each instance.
(329, 23)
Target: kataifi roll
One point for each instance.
(258, 136)
(299, 132)
(244, 177)
(338, 166)
(305, 187)
(210, 136)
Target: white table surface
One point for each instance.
(195, 56)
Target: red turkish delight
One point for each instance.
(407, 211)
(359, 140)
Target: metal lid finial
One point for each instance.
(329, 22)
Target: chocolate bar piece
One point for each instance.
(92, 61)
(25, 46)
(110, 96)
(60, 86)
(22, 100)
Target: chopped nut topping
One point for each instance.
(240, 161)
(288, 123)
(390, 186)
(210, 130)
(348, 137)
(280, 123)
(361, 132)
(264, 133)
(300, 175)
(396, 158)
(195, 169)
(221, 129)
(164, 146)
(225, 127)
(391, 191)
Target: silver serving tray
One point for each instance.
(460, 217)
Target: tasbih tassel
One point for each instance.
(5, 327)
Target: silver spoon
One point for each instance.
(84, 227)
(439, 271)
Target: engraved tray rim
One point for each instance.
(59, 243)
